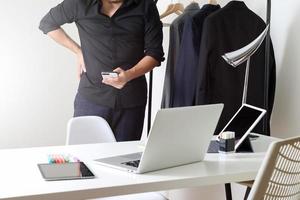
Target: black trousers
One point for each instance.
(126, 123)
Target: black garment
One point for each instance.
(187, 63)
(226, 30)
(176, 30)
(126, 123)
(122, 40)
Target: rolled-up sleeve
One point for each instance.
(65, 12)
(153, 33)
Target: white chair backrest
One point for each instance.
(279, 175)
(88, 129)
(93, 129)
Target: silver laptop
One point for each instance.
(178, 136)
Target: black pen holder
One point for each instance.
(226, 145)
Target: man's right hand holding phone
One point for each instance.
(109, 74)
(118, 78)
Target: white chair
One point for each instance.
(279, 175)
(93, 129)
(88, 129)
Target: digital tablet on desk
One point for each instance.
(65, 171)
(242, 123)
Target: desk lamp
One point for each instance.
(236, 58)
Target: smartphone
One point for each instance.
(110, 74)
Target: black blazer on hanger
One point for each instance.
(226, 30)
(186, 65)
(176, 30)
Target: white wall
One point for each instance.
(285, 33)
(38, 77)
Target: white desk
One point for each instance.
(21, 179)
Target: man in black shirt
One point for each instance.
(124, 36)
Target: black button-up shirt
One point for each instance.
(122, 40)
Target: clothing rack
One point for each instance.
(266, 86)
(266, 83)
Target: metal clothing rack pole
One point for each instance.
(150, 97)
(267, 70)
(150, 101)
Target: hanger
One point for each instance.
(213, 2)
(194, 2)
(177, 8)
(166, 24)
(167, 11)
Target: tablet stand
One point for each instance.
(245, 146)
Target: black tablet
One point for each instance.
(65, 171)
(242, 123)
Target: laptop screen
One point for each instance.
(243, 120)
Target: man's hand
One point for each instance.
(117, 82)
(60, 36)
(80, 64)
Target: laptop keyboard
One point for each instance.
(134, 163)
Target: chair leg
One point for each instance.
(247, 193)
(228, 191)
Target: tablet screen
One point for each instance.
(243, 120)
(63, 171)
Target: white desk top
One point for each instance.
(21, 178)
